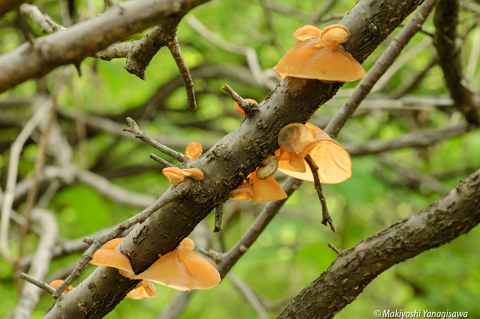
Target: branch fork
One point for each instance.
(248, 107)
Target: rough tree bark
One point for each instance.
(84, 39)
(453, 215)
(236, 155)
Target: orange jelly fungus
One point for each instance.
(182, 269)
(240, 110)
(333, 161)
(54, 284)
(193, 150)
(144, 290)
(174, 175)
(320, 55)
(260, 190)
(194, 173)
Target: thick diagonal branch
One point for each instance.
(453, 215)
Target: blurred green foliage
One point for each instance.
(292, 251)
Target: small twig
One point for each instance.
(160, 160)
(182, 67)
(40, 284)
(38, 168)
(12, 174)
(335, 249)
(327, 219)
(271, 28)
(179, 191)
(248, 293)
(327, 5)
(40, 19)
(134, 129)
(248, 107)
(218, 218)
(249, 53)
(380, 67)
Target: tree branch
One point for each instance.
(84, 39)
(236, 155)
(453, 215)
(449, 59)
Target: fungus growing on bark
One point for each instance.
(144, 290)
(174, 175)
(109, 257)
(332, 159)
(240, 110)
(242, 192)
(194, 173)
(54, 284)
(182, 269)
(260, 190)
(193, 150)
(320, 56)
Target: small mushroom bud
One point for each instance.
(240, 110)
(193, 150)
(268, 168)
(54, 284)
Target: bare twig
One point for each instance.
(112, 191)
(449, 55)
(249, 53)
(247, 292)
(134, 129)
(417, 139)
(335, 249)
(271, 28)
(177, 305)
(415, 176)
(12, 173)
(40, 19)
(40, 264)
(218, 218)
(160, 160)
(326, 6)
(326, 218)
(248, 107)
(40, 284)
(38, 168)
(380, 67)
(451, 216)
(176, 193)
(182, 67)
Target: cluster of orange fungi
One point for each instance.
(181, 269)
(299, 140)
(176, 175)
(320, 55)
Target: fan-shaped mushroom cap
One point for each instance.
(294, 137)
(174, 175)
(144, 290)
(182, 269)
(335, 34)
(307, 32)
(306, 60)
(112, 244)
(240, 110)
(193, 150)
(268, 168)
(114, 259)
(333, 161)
(242, 192)
(194, 173)
(266, 190)
(54, 284)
